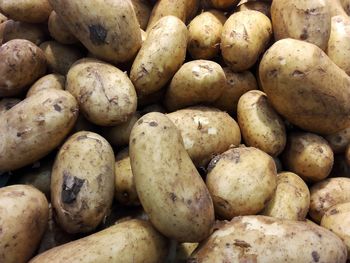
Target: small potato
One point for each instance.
(51, 81)
(129, 241)
(260, 124)
(24, 213)
(205, 132)
(196, 82)
(242, 42)
(339, 140)
(59, 31)
(326, 194)
(22, 64)
(261, 6)
(224, 4)
(8, 103)
(204, 34)
(82, 182)
(105, 94)
(143, 11)
(309, 156)
(291, 199)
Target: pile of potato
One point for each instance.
(174, 131)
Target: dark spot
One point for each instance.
(98, 34)
(241, 243)
(70, 188)
(57, 107)
(19, 134)
(315, 256)
(126, 195)
(273, 73)
(213, 163)
(333, 211)
(133, 140)
(173, 197)
(189, 202)
(140, 122)
(153, 124)
(304, 35)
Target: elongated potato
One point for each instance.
(24, 213)
(168, 185)
(266, 239)
(205, 132)
(59, 31)
(307, 20)
(8, 103)
(129, 241)
(20, 30)
(242, 42)
(43, 119)
(339, 140)
(114, 36)
(224, 4)
(161, 55)
(143, 11)
(261, 6)
(51, 81)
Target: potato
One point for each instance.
(204, 34)
(43, 120)
(114, 36)
(30, 11)
(326, 194)
(291, 199)
(59, 31)
(129, 241)
(306, 87)
(8, 103)
(236, 85)
(339, 140)
(261, 6)
(242, 42)
(82, 182)
(23, 63)
(267, 239)
(168, 185)
(50, 81)
(105, 94)
(24, 213)
(347, 155)
(224, 4)
(206, 132)
(260, 124)
(143, 11)
(160, 56)
(309, 156)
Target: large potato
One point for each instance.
(143, 11)
(205, 132)
(105, 94)
(108, 29)
(270, 240)
(161, 55)
(22, 64)
(168, 185)
(34, 127)
(223, 4)
(306, 87)
(339, 140)
(129, 241)
(24, 213)
(59, 31)
(242, 41)
(50, 81)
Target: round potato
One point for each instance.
(51, 81)
(24, 213)
(224, 4)
(59, 31)
(261, 6)
(8, 103)
(143, 11)
(339, 140)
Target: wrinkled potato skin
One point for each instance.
(196, 82)
(160, 56)
(22, 64)
(50, 81)
(24, 213)
(293, 75)
(8, 103)
(143, 11)
(291, 199)
(260, 124)
(326, 194)
(263, 7)
(339, 140)
(267, 239)
(206, 132)
(129, 241)
(224, 4)
(59, 31)
(82, 182)
(307, 20)
(169, 187)
(43, 119)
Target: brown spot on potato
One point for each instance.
(315, 256)
(173, 197)
(241, 243)
(16, 193)
(153, 124)
(333, 211)
(98, 34)
(57, 107)
(304, 35)
(272, 73)
(70, 188)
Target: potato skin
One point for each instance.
(267, 239)
(261, 6)
(24, 213)
(59, 31)
(242, 42)
(24, 64)
(168, 185)
(43, 119)
(339, 140)
(160, 56)
(143, 11)
(206, 132)
(50, 81)
(129, 241)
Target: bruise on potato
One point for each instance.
(70, 188)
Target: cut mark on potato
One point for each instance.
(70, 188)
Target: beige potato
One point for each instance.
(82, 182)
(129, 241)
(260, 124)
(261, 6)
(24, 213)
(196, 82)
(206, 132)
(43, 120)
(160, 56)
(50, 81)
(339, 140)
(204, 34)
(8, 103)
(20, 30)
(224, 4)
(326, 194)
(22, 64)
(59, 31)
(143, 11)
(306, 87)
(105, 94)
(291, 200)
(114, 36)
(272, 240)
(169, 187)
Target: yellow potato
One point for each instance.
(59, 31)
(339, 140)
(224, 4)
(51, 81)
(8, 103)
(143, 11)
(261, 6)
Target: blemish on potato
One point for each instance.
(57, 107)
(70, 188)
(98, 34)
(315, 256)
(153, 124)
